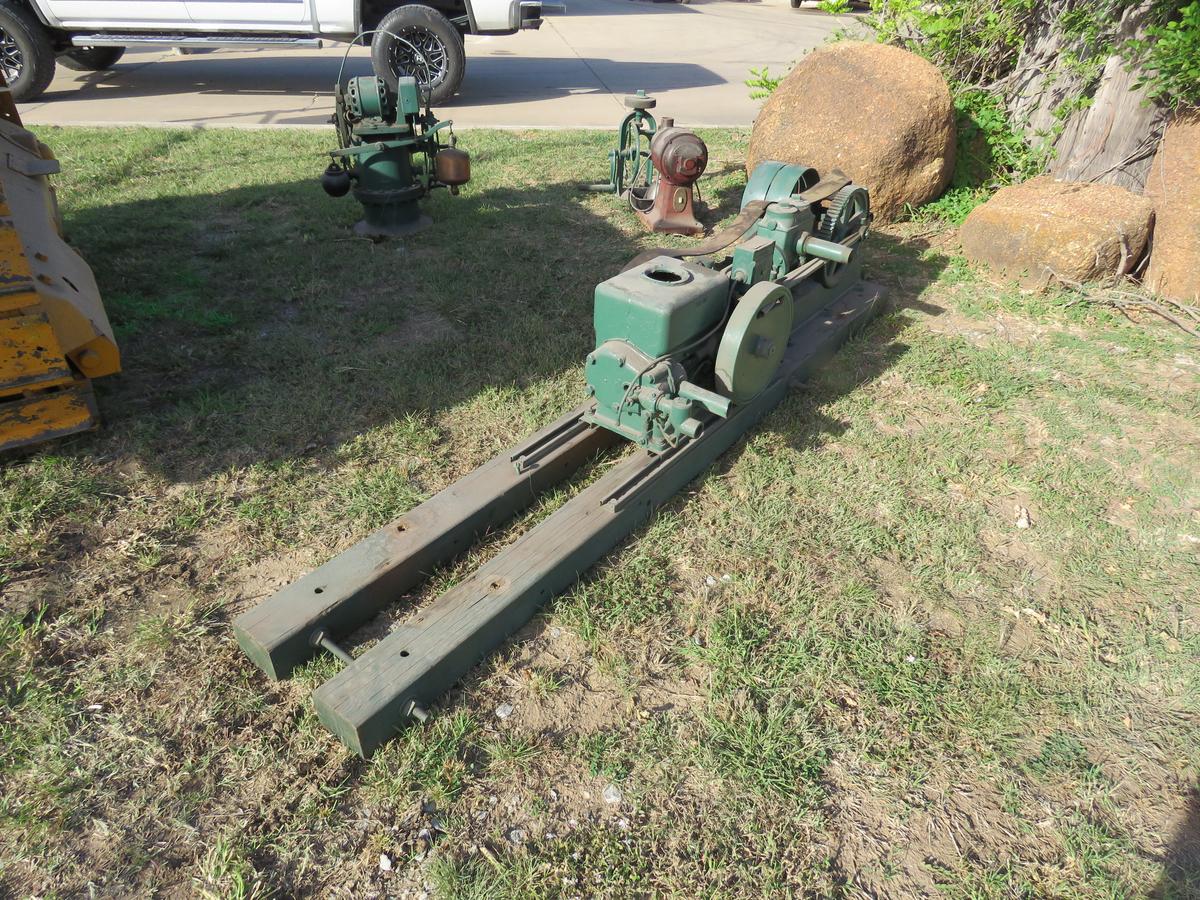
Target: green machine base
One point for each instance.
(690, 354)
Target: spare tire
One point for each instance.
(92, 59)
(431, 51)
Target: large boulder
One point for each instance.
(1174, 187)
(1043, 229)
(880, 114)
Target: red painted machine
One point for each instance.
(656, 166)
(667, 204)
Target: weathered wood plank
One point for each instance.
(351, 588)
(368, 700)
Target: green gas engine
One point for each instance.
(678, 343)
(391, 153)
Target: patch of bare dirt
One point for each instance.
(886, 851)
(998, 326)
(910, 609)
(421, 327)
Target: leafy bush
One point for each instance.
(1170, 58)
(762, 83)
(989, 153)
(973, 42)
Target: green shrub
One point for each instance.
(1169, 57)
(989, 153)
(762, 83)
(973, 42)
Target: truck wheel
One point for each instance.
(439, 60)
(92, 59)
(26, 54)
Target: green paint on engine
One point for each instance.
(678, 342)
(661, 305)
(651, 322)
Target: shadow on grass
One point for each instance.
(254, 327)
(904, 270)
(1181, 866)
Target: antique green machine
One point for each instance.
(655, 166)
(693, 347)
(629, 162)
(391, 152)
(679, 342)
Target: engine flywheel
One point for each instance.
(755, 338)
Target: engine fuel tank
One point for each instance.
(660, 305)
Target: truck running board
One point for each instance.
(199, 41)
(409, 669)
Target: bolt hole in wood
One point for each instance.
(404, 653)
(319, 590)
(402, 527)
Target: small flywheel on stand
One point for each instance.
(629, 162)
(656, 165)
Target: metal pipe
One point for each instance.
(798, 274)
(714, 403)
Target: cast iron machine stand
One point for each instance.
(655, 166)
(667, 204)
(390, 152)
(689, 356)
(629, 164)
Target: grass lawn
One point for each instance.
(834, 666)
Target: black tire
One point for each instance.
(26, 54)
(91, 59)
(435, 36)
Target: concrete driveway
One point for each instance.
(571, 73)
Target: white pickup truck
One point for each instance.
(91, 35)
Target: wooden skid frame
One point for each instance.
(367, 701)
(354, 586)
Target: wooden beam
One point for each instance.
(350, 589)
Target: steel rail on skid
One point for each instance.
(415, 664)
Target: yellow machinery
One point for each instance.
(54, 334)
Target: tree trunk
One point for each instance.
(1114, 139)
(1040, 83)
